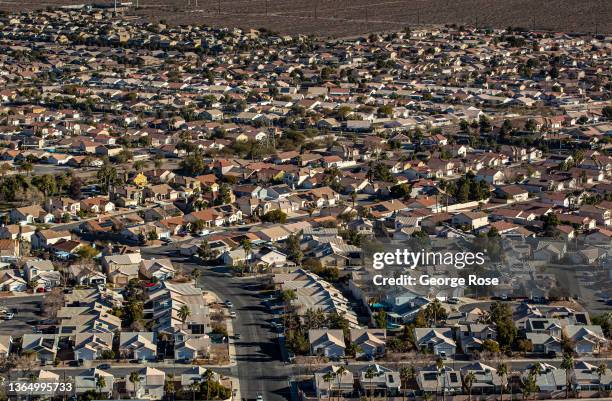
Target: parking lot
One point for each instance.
(25, 309)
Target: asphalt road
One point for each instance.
(259, 367)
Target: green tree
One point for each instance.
(369, 375)
(491, 346)
(134, 378)
(292, 247)
(225, 195)
(87, 252)
(468, 381)
(107, 176)
(601, 371)
(183, 313)
(195, 274)
(501, 315)
(100, 384)
(485, 124)
(207, 378)
(45, 184)
(502, 372)
(381, 319)
(26, 167)
(248, 247)
(197, 226)
(530, 125)
(328, 377)
(567, 364)
(275, 216)
(169, 387)
(193, 164)
(528, 385)
(205, 252)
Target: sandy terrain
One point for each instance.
(351, 17)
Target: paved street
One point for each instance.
(259, 365)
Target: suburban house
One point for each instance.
(327, 342)
(439, 341)
(91, 346)
(192, 348)
(89, 381)
(161, 269)
(150, 385)
(343, 382)
(378, 380)
(472, 220)
(371, 343)
(138, 345)
(42, 346)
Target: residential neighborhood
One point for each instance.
(194, 212)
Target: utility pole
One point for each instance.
(219, 7)
(115, 6)
(266, 7)
(315, 9)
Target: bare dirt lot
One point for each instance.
(352, 17)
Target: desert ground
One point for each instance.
(337, 18)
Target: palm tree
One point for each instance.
(353, 196)
(601, 371)
(169, 385)
(287, 297)
(194, 386)
(567, 364)
(536, 369)
(195, 274)
(404, 374)
(468, 380)
(528, 385)
(247, 246)
(33, 379)
(502, 372)
(440, 370)
(134, 379)
(369, 374)
(207, 378)
(184, 313)
(26, 167)
(100, 384)
(328, 377)
(339, 373)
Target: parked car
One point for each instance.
(232, 314)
